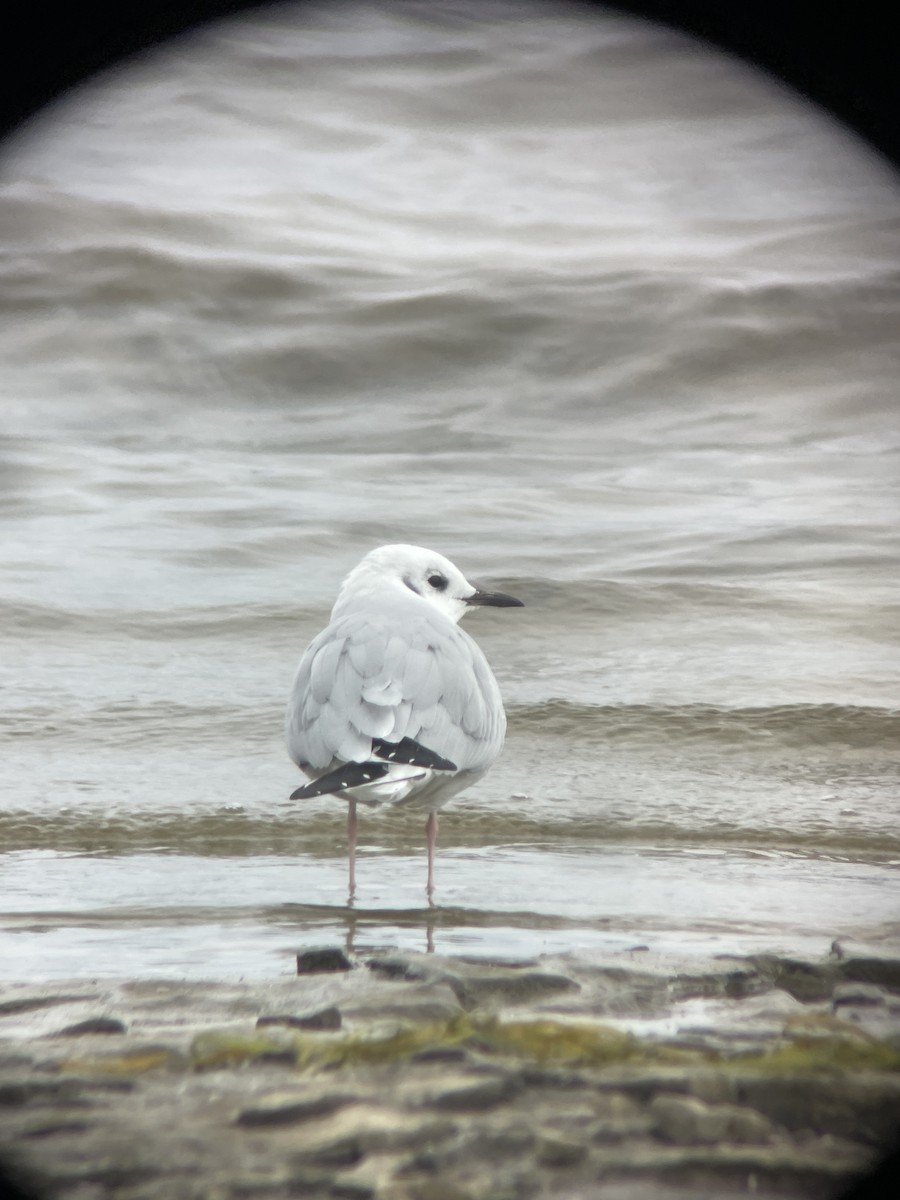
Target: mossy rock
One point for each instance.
(835, 1054)
(132, 1062)
(547, 1041)
(815, 1042)
(213, 1049)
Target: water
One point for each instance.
(599, 313)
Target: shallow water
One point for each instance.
(600, 314)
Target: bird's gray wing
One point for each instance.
(369, 678)
(466, 721)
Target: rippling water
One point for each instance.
(602, 315)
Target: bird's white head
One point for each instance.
(402, 570)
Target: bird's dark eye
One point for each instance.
(438, 582)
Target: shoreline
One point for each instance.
(399, 1076)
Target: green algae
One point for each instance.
(540, 1041)
(543, 1042)
(557, 1042)
(134, 1062)
(815, 1044)
(213, 1049)
(398, 1044)
(831, 1054)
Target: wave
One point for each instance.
(795, 725)
(127, 725)
(783, 725)
(319, 833)
(26, 617)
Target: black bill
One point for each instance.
(494, 599)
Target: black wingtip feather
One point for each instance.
(411, 753)
(348, 775)
(407, 752)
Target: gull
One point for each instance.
(393, 703)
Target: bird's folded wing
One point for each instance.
(369, 680)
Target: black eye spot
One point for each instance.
(438, 582)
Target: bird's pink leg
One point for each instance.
(352, 825)
(431, 832)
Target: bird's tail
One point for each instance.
(370, 782)
(386, 778)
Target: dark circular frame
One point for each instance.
(842, 60)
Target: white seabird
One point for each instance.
(393, 703)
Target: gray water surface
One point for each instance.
(599, 313)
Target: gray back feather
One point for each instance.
(362, 679)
